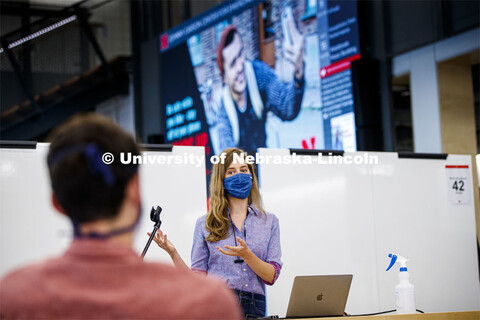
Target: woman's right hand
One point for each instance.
(162, 241)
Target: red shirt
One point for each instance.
(98, 279)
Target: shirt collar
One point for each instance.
(254, 209)
(101, 250)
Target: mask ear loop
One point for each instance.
(97, 166)
(96, 235)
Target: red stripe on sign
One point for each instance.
(456, 167)
(338, 66)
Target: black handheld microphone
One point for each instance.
(155, 217)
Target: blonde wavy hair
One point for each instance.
(218, 222)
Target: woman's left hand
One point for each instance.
(241, 250)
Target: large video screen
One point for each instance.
(253, 74)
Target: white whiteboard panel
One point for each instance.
(31, 230)
(337, 219)
(325, 224)
(415, 218)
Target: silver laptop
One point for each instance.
(319, 296)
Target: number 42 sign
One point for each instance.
(458, 184)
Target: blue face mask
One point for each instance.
(239, 185)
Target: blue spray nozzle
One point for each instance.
(397, 258)
(392, 262)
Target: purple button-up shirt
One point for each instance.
(262, 238)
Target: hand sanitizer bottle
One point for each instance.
(404, 290)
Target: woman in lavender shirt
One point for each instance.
(237, 241)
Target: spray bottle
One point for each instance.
(404, 291)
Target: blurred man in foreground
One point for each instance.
(100, 276)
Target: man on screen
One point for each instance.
(251, 88)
